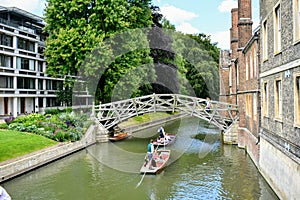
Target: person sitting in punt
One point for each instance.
(166, 139)
(161, 132)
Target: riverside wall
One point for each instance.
(137, 127)
(17, 166)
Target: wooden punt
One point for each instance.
(120, 136)
(159, 162)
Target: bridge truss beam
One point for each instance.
(221, 114)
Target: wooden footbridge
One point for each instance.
(221, 114)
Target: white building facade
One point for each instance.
(24, 85)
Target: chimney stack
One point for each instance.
(244, 22)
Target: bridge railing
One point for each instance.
(220, 114)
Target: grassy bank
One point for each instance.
(145, 118)
(14, 143)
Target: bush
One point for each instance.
(17, 127)
(9, 119)
(3, 126)
(67, 126)
(52, 111)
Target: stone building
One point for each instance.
(279, 159)
(265, 68)
(24, 85)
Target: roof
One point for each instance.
(22, 12)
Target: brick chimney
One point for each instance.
(234, 33)
(245, 34)
(244, 22)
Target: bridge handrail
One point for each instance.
(221, 114)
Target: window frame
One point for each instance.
(297, 100)
(265, 40)
(247, 68)
(296, 20)
(278, 98)
(254, 101)
(277, 28)
(265, 104)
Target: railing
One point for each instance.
(221, 114)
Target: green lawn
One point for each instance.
(145, 118)
(14, 143)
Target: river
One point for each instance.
(198, 169)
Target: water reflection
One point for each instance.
(197, 170)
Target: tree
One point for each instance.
(77, 28)
(197, 64)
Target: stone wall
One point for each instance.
(137, 127)
(280, 170)
(23, 164)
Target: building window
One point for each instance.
(265, 40)
(297, 99)
(24, 63)
(25, 44)
(249, 108)
(230, 76)
(255, 63)
(265, 99)
(6, 82)
(25, 83)
(6, 40)
(247, 68)
(255, 106)
(40, 84)
(40, 66)
(278, 99)
(251, 65)
(6, 61)
(52, 84)
(48, 85)
(237, 75)
(277, 29)
(296, 20)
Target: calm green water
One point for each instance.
(197, 170)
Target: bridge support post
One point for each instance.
(102, 134)
(175, 103)
(230, 136)
(93, 110)
(154, 102)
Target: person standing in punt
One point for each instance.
(150, 151)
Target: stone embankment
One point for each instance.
(137, 127)
(17, 166)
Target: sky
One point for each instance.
(212, 17)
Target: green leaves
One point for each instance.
(76, 44)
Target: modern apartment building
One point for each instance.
(24, 85)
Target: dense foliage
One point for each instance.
(77, 28)
(67, 126)
(200, 64)
(87, 36)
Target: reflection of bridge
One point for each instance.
(221, 114)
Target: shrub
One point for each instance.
(62, 136)
(60, 127)
(52, 111)
(3, 126)
(9, 119)
(17, 127)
